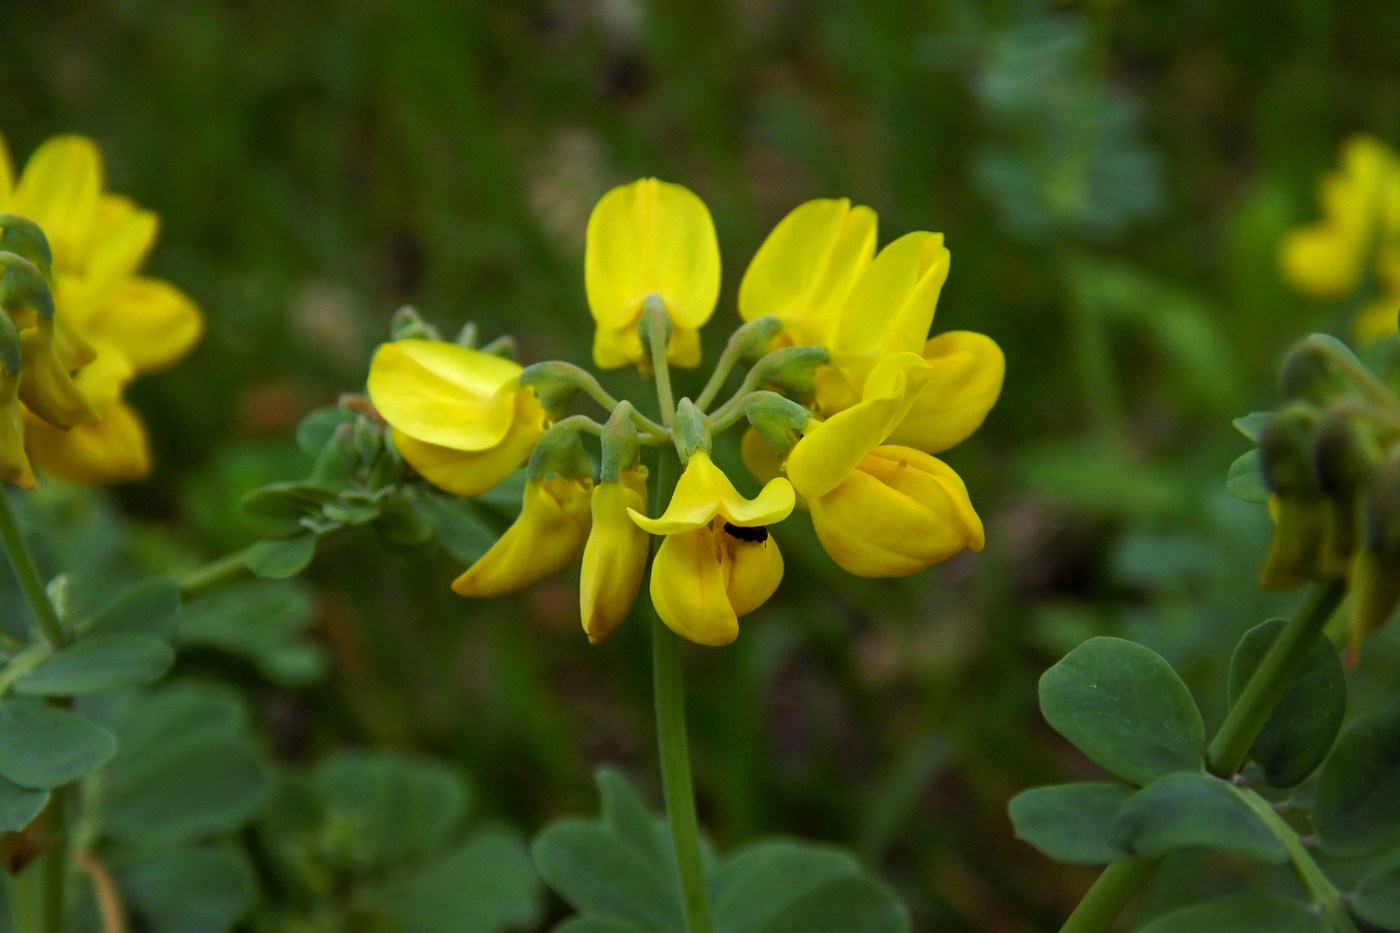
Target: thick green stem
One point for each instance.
(1272, 679)
(31, 583)
(1110, 894)
(53, 864)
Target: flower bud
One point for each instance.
(1345, 456)
(1374, 583)
(1301, 512)
(690, 430)
(1285, 450)
(1311, 372)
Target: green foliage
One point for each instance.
(1357, 808)
(1242, 913)
(1072, 823)
(97, 663)
(186, 889)
(619, 873)
(377, 838)
(1124, 707)
(43, 746)
(1189, 811)
(1299, 733)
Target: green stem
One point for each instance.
(723, 367)
(1271, 680)
(669, 686)
(1110, 894)
(53, 864)
(657, 331)
(22, 663)
(27, 573)
(216, 573)
(594, 390)
(1320, 888)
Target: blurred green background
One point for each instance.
(1113, 180)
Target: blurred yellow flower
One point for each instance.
(546, 538)
(718, 561)
(1359, 233)
(460, 416)
(649, 238)
(112, 324)
(883, 509)
(615, 557)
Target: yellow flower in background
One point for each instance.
(615, 557)
(547, 537)
(112, 324)
(718, 561)
(1359, 234)
(882, 509)
(460, 416)
(648, 238)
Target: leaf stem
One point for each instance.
(30, 580)
(217, 572)
(1271, 680)
(723, 367)
(1320, 888)
(1104, 901)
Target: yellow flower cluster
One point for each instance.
(883, 399)
(1359, 236)
(110, 323)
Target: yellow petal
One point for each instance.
(704, 492)
(900, 511)
(111, 449)
(891, 307)
(806, 267)
(14, 461)
(444, 394)
(151, 322)
(122, 236)
(1321, 261)
(472, 472)
(651, 237)
(614, 347)
(46, 386)
(59, 191)
(830, 450)
(755, 570)
(689, 591)
(615, 557)
(546, 538)
(1378, 318)
(963, 383)
(763, 463)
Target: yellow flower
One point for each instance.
(650, 238)
(815, 273)
(460, 416)
(1361, 214)
(806, 268)
(546, 538)
(718, 561)
(884, 510)
(105, 309)
(615, 557)
(14, 460)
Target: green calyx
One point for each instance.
(690, 430)
(791, 370)
(779, 420)
(555, 384)
(559, 452)
(619, 443)
(24, 292)
(26, 239)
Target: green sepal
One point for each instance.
(408, 324)
(621, 451)
(792, 370)
(690, 430)
(25, 238)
